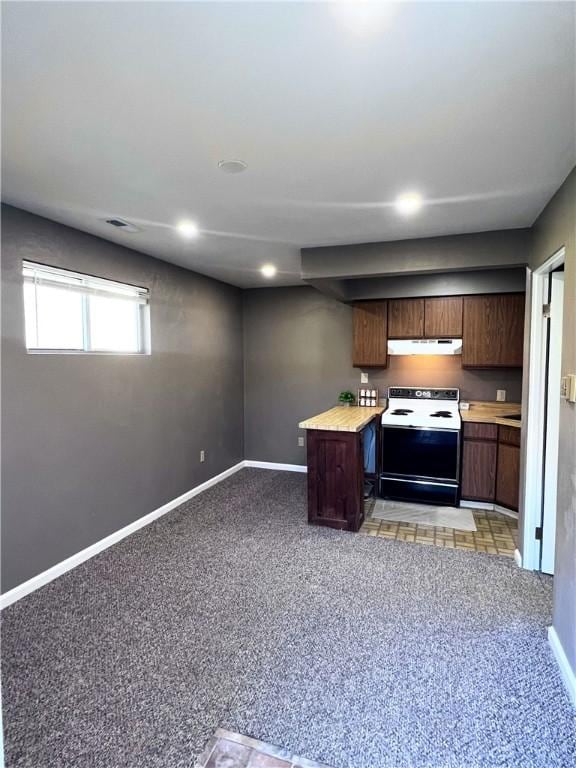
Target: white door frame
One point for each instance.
(548, 543)
(534, 444)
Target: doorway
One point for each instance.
(543, 427)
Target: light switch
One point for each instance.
(301, 442)
(363, 378)
(500, 395)
(568, 388)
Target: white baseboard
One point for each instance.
(71, 562)
(568, 674)
(506, 511)
(518, 558)
(489, 507)
(476, 505)
(273, 465)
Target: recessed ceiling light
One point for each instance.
(409, 203)
(232, 166)
(268, 270)
(188, 229)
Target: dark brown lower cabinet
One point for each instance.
(508, 473)
(479, 470)
(335, 479)
(479, 457)
(491, 464)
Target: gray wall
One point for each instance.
(297, 358)
(91, 443)
(485, 250)
(443, 284)
(556, 227)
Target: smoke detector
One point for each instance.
(126, 226)
(232, 166)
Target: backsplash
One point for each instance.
(438, 371)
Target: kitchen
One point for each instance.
(305, 345)
(288, 384)
(471, 458)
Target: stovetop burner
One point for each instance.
(442, 414)
(402, 412)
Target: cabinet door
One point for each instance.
(493, 331)
(443, 317)
(370, 335)
(335, 479)
(479, 470)
(406, 318)
(508, 476)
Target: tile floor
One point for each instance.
(232, 750)
(497, 534)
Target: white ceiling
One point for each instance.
(125, 109)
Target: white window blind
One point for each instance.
(70, 312)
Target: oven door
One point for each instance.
(411, 452)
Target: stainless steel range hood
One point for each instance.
(425, 347)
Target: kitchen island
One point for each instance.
(335, 458)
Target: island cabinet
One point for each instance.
(370, 334)
(493, 331)
(335, 479)
(335, 452)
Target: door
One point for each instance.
(421, 453)
(508, 476)
(479, 459)
(552, 428)
(370, 335)
(443, 317)
(493, 331)
(406, 318)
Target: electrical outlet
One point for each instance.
(500, 395)
(301, 442)
(363, 378)
(202, 456)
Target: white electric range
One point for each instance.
(420, 451)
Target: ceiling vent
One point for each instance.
(122, 224)
(232, 166)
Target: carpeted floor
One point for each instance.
(232, 612)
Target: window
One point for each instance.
(69, 312)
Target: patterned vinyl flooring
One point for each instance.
(497, 534)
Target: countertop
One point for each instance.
(343, 418)
(492, 413)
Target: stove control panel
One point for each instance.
(412, 393)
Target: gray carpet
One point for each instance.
(232, 612)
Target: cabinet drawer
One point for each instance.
(508, 435)
(477, 431)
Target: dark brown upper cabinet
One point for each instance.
(406, 318)
(370, 334)
(443, 317)
(493, 331)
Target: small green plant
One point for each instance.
(346, 398)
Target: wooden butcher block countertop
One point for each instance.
(492, 413)
(342, 418)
